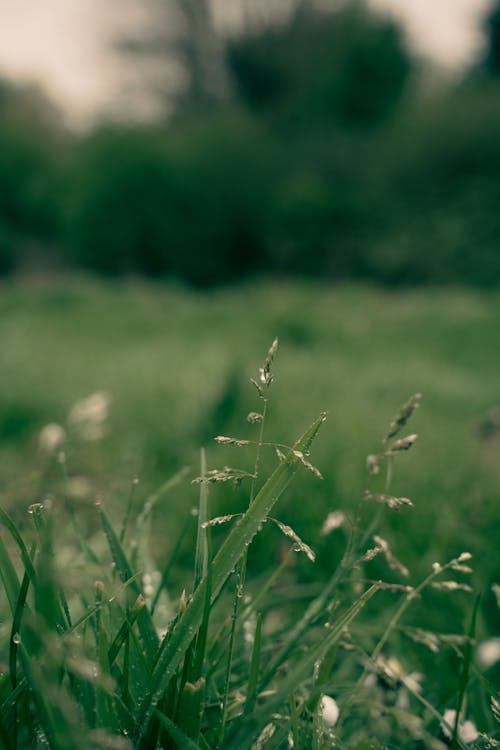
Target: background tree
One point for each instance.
(181, 52)
(491, 62)
(345, 66)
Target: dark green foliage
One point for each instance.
(491, 61)
(32, 144)
(186, 203)
(321, 68)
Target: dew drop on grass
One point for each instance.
(16, 638)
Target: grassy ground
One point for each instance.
(177, 365)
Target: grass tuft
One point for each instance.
(101, 652)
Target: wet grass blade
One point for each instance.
(16, 629)
(144, 622)
(10, 525)
(201, 560)
(9, 577)
(221, 568)
(179, 737)
(253, 675)
(125, 627)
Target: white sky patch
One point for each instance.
(447, 30)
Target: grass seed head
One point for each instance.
(334, 520)
(392, 561)
(403, 444)
(452, 586)
(223, 440)
(254, 417)
(265, 375)
(394, 503)
(373, 464)
(403, 417)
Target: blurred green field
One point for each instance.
(177, 365)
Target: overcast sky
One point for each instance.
(64, 43)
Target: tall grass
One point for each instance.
(99, 652)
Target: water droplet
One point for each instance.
(16, 638)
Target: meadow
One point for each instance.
(173, 368)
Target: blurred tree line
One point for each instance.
(305, 144)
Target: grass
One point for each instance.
(93, 662)
(176, 364)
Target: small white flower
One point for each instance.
(467, 730)
(488, 652)
(329, 710)
(333, 521)
(88, 416)
(78, 488)
(51, 437)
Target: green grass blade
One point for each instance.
(201, 561)
(464, 676)
(103, 707)
(221, 567)
(191, 707)
(201, 639)
(13, 698)
(294, 722)
(16, 629)
(145, 624)
(170, 563)
(46, 586)
(6, 740)
(9, 577)
(10, 525)
(126, 517)
(254, 667)
(179, 737)
(123, 631)
(139, 555)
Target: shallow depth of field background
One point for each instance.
(303, 176)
